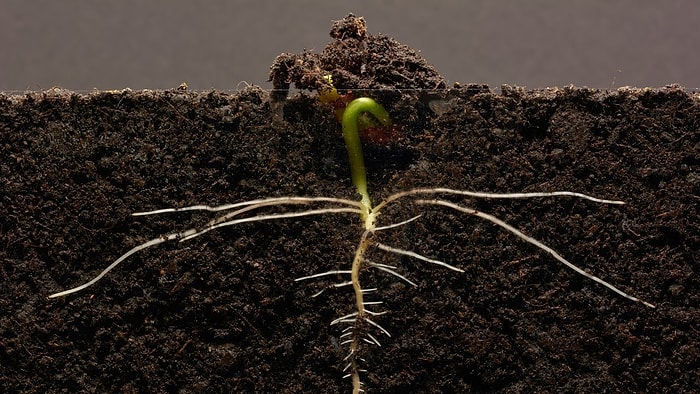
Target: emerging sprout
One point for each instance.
(328, 93)
(354, 146)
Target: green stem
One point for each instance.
(351, 133)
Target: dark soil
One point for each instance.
(222, 313)
(357, 60)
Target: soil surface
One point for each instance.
(222, 312)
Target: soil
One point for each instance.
(222, 312)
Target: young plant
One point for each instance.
(361, 321)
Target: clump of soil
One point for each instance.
(222, 313)
(356, 60)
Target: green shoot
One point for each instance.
(351, 133)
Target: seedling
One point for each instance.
(362, 323)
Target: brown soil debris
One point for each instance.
(357, 60)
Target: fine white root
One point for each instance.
(416, 256)
(466, 193)
(371, 340)
(371, 313)
(116, 262)
(337, 272)
(225, 220)
(535, 242)
(397, 224)
(258, 203)
(349, 318)
(374, 340)
(390, 269)
(378, 326)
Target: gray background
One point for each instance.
(84, 45)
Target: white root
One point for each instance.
(218, 223)
(336, 272)
(398, 224)
(390, 269)
(439, 190)
(116, 262)
(416, 256)
(223, 221)
(535, 242)
(257, 203)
